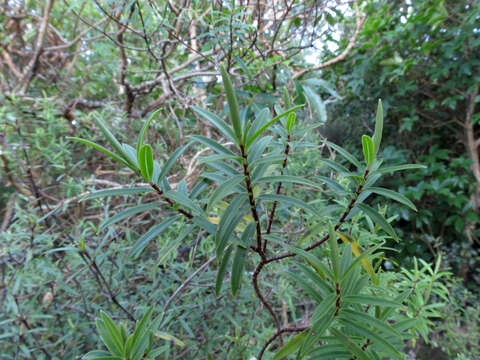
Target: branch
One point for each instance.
(277, 334)
(360, 20)
(28, 73)
(337, 226)
(186, 282)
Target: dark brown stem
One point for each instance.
(260, 296)
(102, 282)
(338, 302)
(253, 205)
(277, 334)
(279, 189)
(364, 347)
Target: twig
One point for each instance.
(181, 288)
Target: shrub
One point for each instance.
(258, 216)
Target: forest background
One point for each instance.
(64, 63)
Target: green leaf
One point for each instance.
(170, 338)
(282, 199)
(291, 346)
(102, 149)
(395, 168)
(141, 135)
(117, 192)
(288, 179)
(323, 84)
(317, 278)
(317, 331)
(379, 219)
(363, 317)
(140, 336)
(129, 212)
(377, 136)
(350, 345)
(170, 162)
(393, 195)
(108, 338)
(130, 154)
(315, 262)
(335, 166)
(213, 145)
(329, 352)
(336, 187)
(151, 234)
(221, 125)
(368, 150)
(110, 137)
(145, 162)
(312, 292)
(268, 124)
(369, 300)
(286, 98)
(237, 268)
(225, 189)
(100, 355)
(113, 331)
(369, 334)
(290, 122)
(184, 201)
(232, 105)
(221, 271)
(334, 256)
(352, 159)
(358, 260)
(316, 103)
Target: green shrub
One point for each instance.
(334, 251)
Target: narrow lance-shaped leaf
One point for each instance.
(290, 122)
(377, 136)
(170, 162)
(145, 161)
(152, 233)
(390, 169)
(352, 159)
(237, 268)
(129, 212)
(270, 123)
(393, 195)
(379, 219)
(141, 135)
(111, 139)
(232, 104)
(104, 150)
(368, 150)
(291, 346)
(316, 103)
(221, 271)
(286, 98)
(226, 188)
(221, 125)
(350, 345)
(334, 256)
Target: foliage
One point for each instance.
(81, 233)
(420, 58)
(343, 293)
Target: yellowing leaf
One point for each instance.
(164, 336)
(357, 251)
(241, 226)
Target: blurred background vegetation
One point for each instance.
(64, 62)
